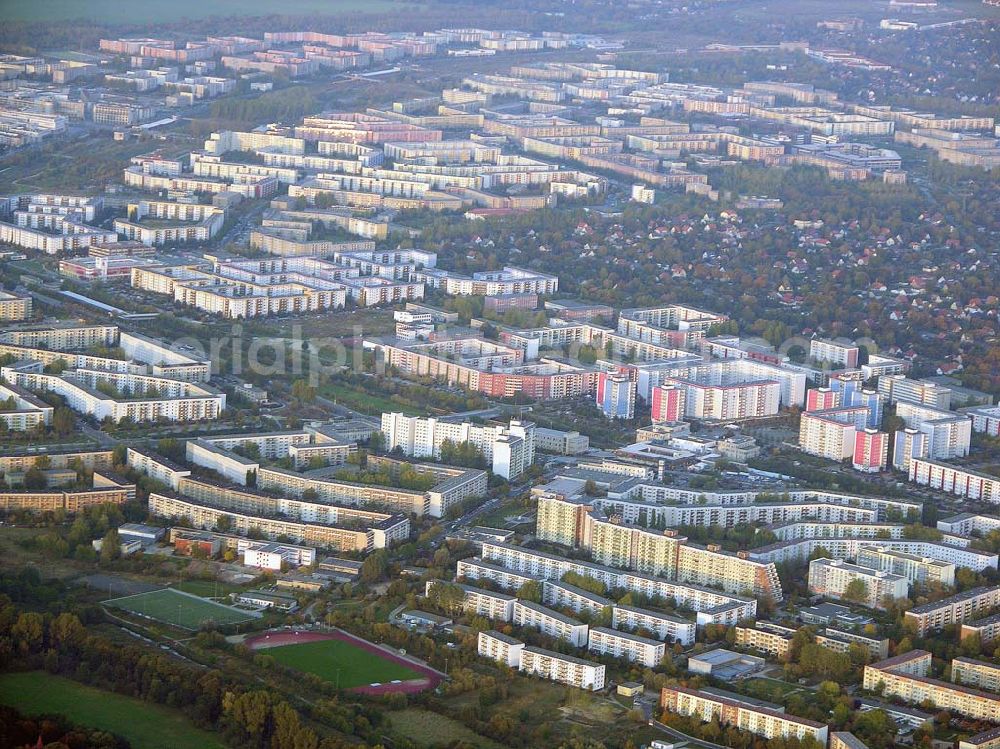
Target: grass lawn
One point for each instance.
(179, 609)
(340, 663)
(362, 401)
(429, 728)
(151, 11)
(771, 690)
(144, 725)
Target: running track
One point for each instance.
(430, 680)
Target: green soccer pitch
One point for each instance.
(341, 663)
(180, 609)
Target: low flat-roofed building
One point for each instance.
(417, 618)
(725, 664)
(268, 599)
(147, 534)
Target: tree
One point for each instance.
(66, 632)
(530, 591)
(374, 567)
(28, 631)
(447, 596)
(303, 392)
(110, 546)
(63, 421)
(856, 591)
(34, 479)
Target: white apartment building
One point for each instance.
(156, 466)
(480, 602)
(561, 443)
(509, 450)
(831, 433)
(62, 337)
(175, 400)
(956, 480)
(745, 716)
(665, 626)
(973, 673)
(831, 578)
(845, 547)
(766, 637)
(956, 609)
(985, 419)
(549, 622)
(986, 629)
(500, 647)
(510, 280)
(729, 402)
(914, 568)
(907, 444)
(906, 677)
(949, 434)
(473, 568)
(565, 596)
(840, 354)
(23, 410)
(633, 648)
(901, 388)
(712, 605)
(968, 524)
(14, 307)
(841, 641)
(564, 669)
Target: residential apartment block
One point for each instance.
(831, 578)
(923, 570)
(565, 669)
(664, 626)
(500, 647)
(973, 673)
(138, 397)
(953, 610)
(745, 716)
(565, 596)
(509, 450)
(713, 606)
(630, 647)
(956, 480)
(196, 513)
(906, 677)
(481, 602)
(14, 307)
(549, 622)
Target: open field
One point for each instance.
(141, 723)
(179, 609)
(338, 661)
(363, 402)
(429, 728)
(150, 11)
